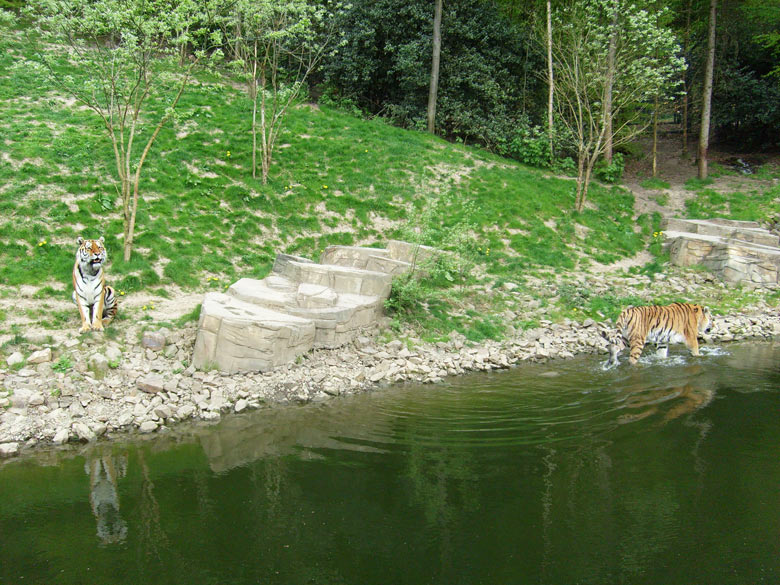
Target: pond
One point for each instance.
(557, 473)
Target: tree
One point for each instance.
(435, 66)
(646, 63)
(127, 53)
(550, 82)
(706, 98)
(276, 45)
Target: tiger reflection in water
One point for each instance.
(673, 402)
(103, 496)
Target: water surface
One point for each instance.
(557, 473)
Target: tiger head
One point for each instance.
(91, 254)
(703, 318)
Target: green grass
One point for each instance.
(335, 179)
(203, 221)
(756, 205)
(654, 183)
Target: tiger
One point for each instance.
(96, 301)
(662, 325)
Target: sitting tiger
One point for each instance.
(96, 301)
(662, 325)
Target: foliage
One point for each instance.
(486, 76)
(275, 46)
(611, 172)
(646, 62)
(122, 55)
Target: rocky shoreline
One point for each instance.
(89, 388)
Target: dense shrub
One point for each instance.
(487, 74)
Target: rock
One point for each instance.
(21, 397)
(36, 399)
(98, 365)
(151, 383)
(40, 356)
(162, 411)
(9, 449)
(148, 426)
(113, 354)
(241, 405)
(185, 411)
(83, 432)
(61, 436)
(14, 359)
(153, 340)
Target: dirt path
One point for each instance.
(675, 170)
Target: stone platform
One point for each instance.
(736, 251)
(301, 305)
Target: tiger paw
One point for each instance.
(84, 328)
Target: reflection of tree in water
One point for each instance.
(445, 484)
(104, 471)
(154, 542)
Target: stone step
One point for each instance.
(737, 252)
(373, 259)
(300, 305)
(342, 279)
(746, 231)
(338, 317)
(236, 336)
(411, 253)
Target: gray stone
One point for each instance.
(151, 383)
(9, 449)
(241, 405)
(236, 336)
(36, 399)
(83, 432)
(185, 411)
(736, 252)
(148, 426)
(61, 436)
(113, 354)
(14, 359)
(153, 340)
(98, 365)
(40, 356)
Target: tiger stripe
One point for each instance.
(97, 302)
(659, 324)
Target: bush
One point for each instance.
(612, 172)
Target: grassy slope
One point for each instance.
(336, 179)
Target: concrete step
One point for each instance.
(746, 231)
(342, 279)
(236, 336)
(373, 259)
(737, 252)
(300, 305)
(338, 317)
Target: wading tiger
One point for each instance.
(662, 325)
(96, 300)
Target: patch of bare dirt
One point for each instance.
(675, 169)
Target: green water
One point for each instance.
(559, 473)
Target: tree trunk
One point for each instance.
(611, 51)
(655, 137)
(578, 199)
(550, 81)
(686, 84)
(434, 87)
(253, 97)
(704, 132)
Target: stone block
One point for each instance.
(341, 279)
(352, 256)
(235, 335)
(735, 251)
